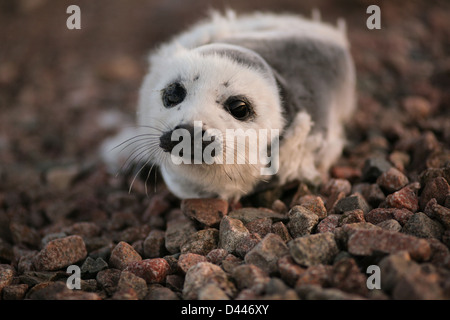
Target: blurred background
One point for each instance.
(63, 91)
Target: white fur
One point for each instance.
(302, 155)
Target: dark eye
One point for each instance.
(239, 109)
(173, 94)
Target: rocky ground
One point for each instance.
(387, 202)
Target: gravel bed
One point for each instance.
(386, 202)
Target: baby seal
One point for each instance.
(286, 78)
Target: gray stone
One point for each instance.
(301, 221)
(267, 252)
(231, 233)
(314, 249)
(420, 225)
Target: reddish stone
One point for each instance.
(378, 215)
(151, 270)
(437, 188)
(289, 270)
(405, 198)
(208, 212)
(366, 242)
(392, 180)
(188, 260)
(122, 255)
(314, 204)
(328, 224)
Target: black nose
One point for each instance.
(166, 143)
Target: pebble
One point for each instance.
(438, 212)
(154, 244)
(336, 186)
(14, 291)
(353, 216)
(129, 280)
(92, 266)
(289, 270)
(23, 234)
(260, 226)
(314, 249)
(329, 224)
(301, 221)
(208, 212)
(231, 232)
(378, 215)
(249, 275)
(421, 226)
(158, 292)
(418, 285)
(392, 180)
(267, 252)
(319, 274)
(177, 232)
(249, 214)
(7, 274)
(373, 194)
(437, 188)
(373, 168)
(108, 280)
(346, 276)
(332, 200)
(188, 260)
(366, 242)
(390, 224)
(201, 242)
(216, 255)
(60, 253)
(203, 274)
(151, 270)
(405, 198)
(314, 204)
(122, 255)
(247, 243)
(352, 202)
(280, 229)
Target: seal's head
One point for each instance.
(210, 92)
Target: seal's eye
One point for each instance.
(173, 94)
(239, 109)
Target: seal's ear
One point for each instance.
(241, 55)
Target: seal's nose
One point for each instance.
(166, 143)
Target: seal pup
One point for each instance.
(283, 73)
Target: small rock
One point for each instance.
(373, 168)
(319, 274)
(267, 252)
(158, 292)
(390, 224)
(6, 276)
(175, 282)
(395, 266)
(157, 206)
(438, 212)
(280, 229)
(212, 292)
(151, 270)
(122, 255)
(332, 200)
(421, 226)
(216, 255)
(108, 280)
(314, 249)
(289, 270)
(399, 159)
(208, 212)
(366, 242)
(92, 267)
(231, 233)
(129, 280)
(418, 286)
(188, 260)
(353, 216)
(373, 194)
(355, 201)
(202, 274)
(60, 253)
(14, 291)
(154, 244)
(378, 215)
(83, 229)
(301, 221)
(437, 188)
(392, 180)
(177, 232)
(260, 226)
(247, 243)
(335, 186)
(201, 242)
(405, 198)
(279, 206)
(248, 214)
(23, 234)
(314, 204)
(249, 275)
(347, 277)
(230, 262)
(329, 223)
